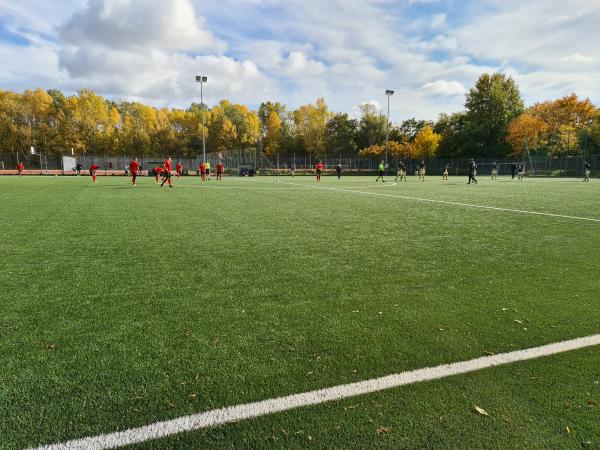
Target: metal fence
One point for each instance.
(571, 166)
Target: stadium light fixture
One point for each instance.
(202, 79)
(388, 93)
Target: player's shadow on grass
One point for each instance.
(462, 183)
(118, 187)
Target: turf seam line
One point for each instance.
(447, 202)
(237, 413)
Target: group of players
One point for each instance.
(515, 171)
(163, 174)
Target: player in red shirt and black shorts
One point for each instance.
(20, 169)
(93, 169)
(319, 168)
(178, 168)
(166, 178)
(134, 168)
(203, 170)
(167, 172)
(219, 170)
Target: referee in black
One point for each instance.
(472, 170)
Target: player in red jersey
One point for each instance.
(157, 173)
(93, 169)
(179, 168)
(203, 170)
(167, 164)
(319, 168)
(134, 168)
(166, 178)
(220, 170)
(20, 169)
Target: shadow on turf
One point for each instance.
(96, 186)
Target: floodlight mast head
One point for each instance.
(201, 79)
(389, 92)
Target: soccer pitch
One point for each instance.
(125, 306)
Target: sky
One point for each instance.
(430, 52)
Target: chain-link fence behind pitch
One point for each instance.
(571, 166)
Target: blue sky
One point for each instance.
(294, 51)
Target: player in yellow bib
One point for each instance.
(381, 169)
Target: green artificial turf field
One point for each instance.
(126, 306)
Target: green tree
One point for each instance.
(340, 135)
(411, 127)
(372, 127)
(491, 104)
(451, 127)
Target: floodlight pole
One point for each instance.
(202, 79)
(388, 93)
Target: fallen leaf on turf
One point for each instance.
(481, 411)
(381, 430)
(489, 353)
(568, 430)
(50, 346)
(309, 438)
(518, 321)
(592, 403)
(504, 309)
(351, 407)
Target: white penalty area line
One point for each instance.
(447, 202)
(262, 408)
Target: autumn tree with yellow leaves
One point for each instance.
(426, 144)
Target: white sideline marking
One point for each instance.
(446, 202)
(249, 410)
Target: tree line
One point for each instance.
(495, 123)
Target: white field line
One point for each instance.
(446, 202)
(249, 410)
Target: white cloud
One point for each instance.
(139, 24)
(298, 64)
(565, 18)
(133, 49)
(443, 87)
(294, 51)
(438, 20)
(35, 66)
(578, 58)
